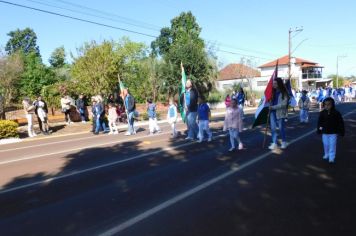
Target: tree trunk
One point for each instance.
(2, 108)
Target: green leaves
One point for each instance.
(182, 43)
(97, 68)
(22, 40)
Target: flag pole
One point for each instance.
(268, 116)
(123, 99)
(269, 108)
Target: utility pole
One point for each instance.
(290, 50)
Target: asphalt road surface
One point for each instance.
(154, 185)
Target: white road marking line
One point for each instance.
(90, 146)
(184, 195)
(77, 172)
(57, 142)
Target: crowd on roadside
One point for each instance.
(122, 108)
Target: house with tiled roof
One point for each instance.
(307, 74)
(236, 74)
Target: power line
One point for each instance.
(107, 13)
(152, 26)
(78, 19)
(89, 14)
(118, 28)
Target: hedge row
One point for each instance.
(8, 129)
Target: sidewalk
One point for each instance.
(61, 129)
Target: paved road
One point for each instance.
(153, 185)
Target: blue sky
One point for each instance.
(251, 28)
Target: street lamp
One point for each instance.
(296, 30)
(337, 69)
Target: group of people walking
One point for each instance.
(197, 116)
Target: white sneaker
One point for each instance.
(188, 138)
(200, 141)
(241, 146)
(127, 133)
(325, 157)
(231, 149)
(110, 133)
(272, 146)
(34, 134)
(209, 139)
(284, 145)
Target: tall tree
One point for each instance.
(22, 40)
(11, 68)
(96, 69)
(35, 76)
(58, 58)
(182, 43)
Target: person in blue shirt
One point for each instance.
(203, 119)
(130, 106)
(241, 101)
(191, 108)
(152, 117)
(172, 116)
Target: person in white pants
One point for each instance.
(233, 123)
(203, 120)
(304, 105)
(152, 117)
(172, 116)
(29, 112)
(330, 125)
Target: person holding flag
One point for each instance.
(189, 106)
(278, 112)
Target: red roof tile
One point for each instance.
(237, 71)
(284, 61)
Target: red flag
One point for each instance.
(269, 88)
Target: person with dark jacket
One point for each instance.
(41, 110)
(330, 125)
(191, 107)
(80, 104)
(130, 106)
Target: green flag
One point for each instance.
(121, 85)
(181, 100)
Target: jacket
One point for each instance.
(233, 119)
(281, 108)
(331, 122)
(304, 105)
(130, 103)
(192, 106)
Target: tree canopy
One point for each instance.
(182, 43)
(22, 40)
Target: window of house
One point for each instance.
(262, 83)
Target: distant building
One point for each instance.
(308, 74)
(237, 74)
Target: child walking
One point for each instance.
(233, 124)
(304, 105)
(330, 125)
(152, 117)
(203, 120)
(112, 118)
(172, 116)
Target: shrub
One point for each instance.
(8, 129)
(215, 97)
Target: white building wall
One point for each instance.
(258, 83)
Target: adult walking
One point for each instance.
(80, 104)
(65, 104)
(99, 114)
(241, 101)
(279, 112)
(29, 112)
(130, 106)
(191, 107)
